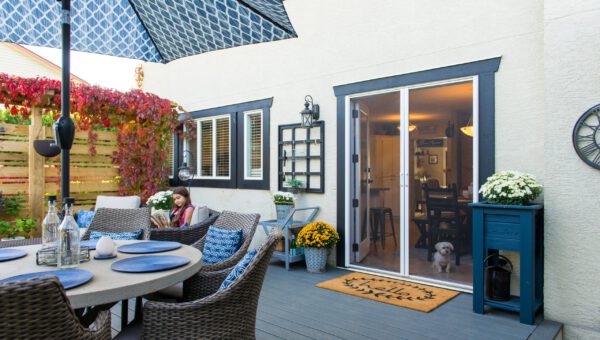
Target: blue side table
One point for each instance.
(515, 228)
(285, 225)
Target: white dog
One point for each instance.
(442, 256)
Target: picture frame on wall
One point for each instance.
(433, 159)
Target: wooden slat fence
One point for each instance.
(90, 175)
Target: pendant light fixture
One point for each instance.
(411, 127)
(468, 129)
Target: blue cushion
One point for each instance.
(130, 235)
(220, 244)
(84, 218)
(238, 269)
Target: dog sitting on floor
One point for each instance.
(441, 258)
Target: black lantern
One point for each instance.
(309, 115)
(184, 174)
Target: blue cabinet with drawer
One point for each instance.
(514, 228)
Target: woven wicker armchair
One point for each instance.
(119, 221)
(185, 236)
(228, 314)
(227, 220)
(39, 309)
(20, 243)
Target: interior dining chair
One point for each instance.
(445, 219)
(39, 309)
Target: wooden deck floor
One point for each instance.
(291, 307)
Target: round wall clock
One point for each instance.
(586, 137)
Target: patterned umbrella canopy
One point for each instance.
(149, 30)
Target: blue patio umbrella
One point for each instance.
(148, 30)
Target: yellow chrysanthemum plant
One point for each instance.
(317, 235)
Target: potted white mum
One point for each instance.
(284, 202)
(511, 188)
(161, 204)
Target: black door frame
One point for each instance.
(484, 69)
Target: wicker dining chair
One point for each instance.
(232, 221)
(39, 309)
(188, 235)
(213, 314)
(20, 243)
(119, 221)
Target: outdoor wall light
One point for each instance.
(184, 174)
(309, 115)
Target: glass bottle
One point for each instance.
(68, 238)
(50, 224)
(293, 245)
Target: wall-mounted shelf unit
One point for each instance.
(301, 156)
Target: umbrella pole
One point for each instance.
(64, 127)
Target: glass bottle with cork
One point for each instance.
(68, 238)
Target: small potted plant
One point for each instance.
(284, 202)
(295, 185)
(317, 238)
(161, 204)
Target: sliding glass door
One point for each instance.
(407, 146)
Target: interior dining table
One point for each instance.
(108, 286)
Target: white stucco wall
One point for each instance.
(548, 76)
(572, 85)
(345, 41)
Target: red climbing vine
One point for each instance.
(144, 123)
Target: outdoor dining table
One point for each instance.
(109, 286)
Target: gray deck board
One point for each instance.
(292, 307)
(358, 317)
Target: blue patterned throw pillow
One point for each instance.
(238, 269)
(84, 218)
(220, 244)
(130, 235)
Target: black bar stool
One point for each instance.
(378, 223)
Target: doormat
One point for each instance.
(396, 292)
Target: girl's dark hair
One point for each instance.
(188, 201)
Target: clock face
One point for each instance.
(586, 137)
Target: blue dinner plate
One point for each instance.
(69, 278)
(149, 247)
(104, 257)
(150, 263)
(91, 244)
(11, 254)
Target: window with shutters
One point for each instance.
(213, 145)
(253, 165)
(231, 149)
(171, 155)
